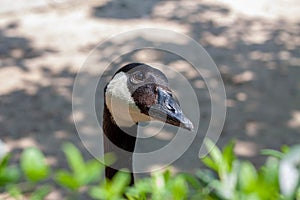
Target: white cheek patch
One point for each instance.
(121, 104)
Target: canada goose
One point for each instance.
(136, 93)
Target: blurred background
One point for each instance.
(255, 44)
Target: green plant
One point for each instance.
(111, 189)
(82, 173)
(237, 179)
(8, 174)
(226, 177)
(33, 168)
(33, 165)
(161, 185)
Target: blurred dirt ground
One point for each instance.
(256, 47)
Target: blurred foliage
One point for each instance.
(82, 173)
(225, 177)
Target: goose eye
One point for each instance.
(137, 77)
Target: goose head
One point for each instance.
(138, 92)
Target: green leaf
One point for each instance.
(98, 193)
(228, 155)
(81, 173)
(192, 180)
(74, 158)
(271, 172)
(179, 188)
(119, 182)
(140, 189)
(92, 172)
(214, 152)
(158, 185)
(273, 153)
(33, 164)
(285, 149)
(67, 180)
(9, 175)
(247, 180)
(111, 189)
(267, 182)
(206, 176)
(4, 162)
(210, 163)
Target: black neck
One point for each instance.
(122, 140)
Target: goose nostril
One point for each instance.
(171, 108)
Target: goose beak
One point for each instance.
(168, 110)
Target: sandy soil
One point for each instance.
(255, 46)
